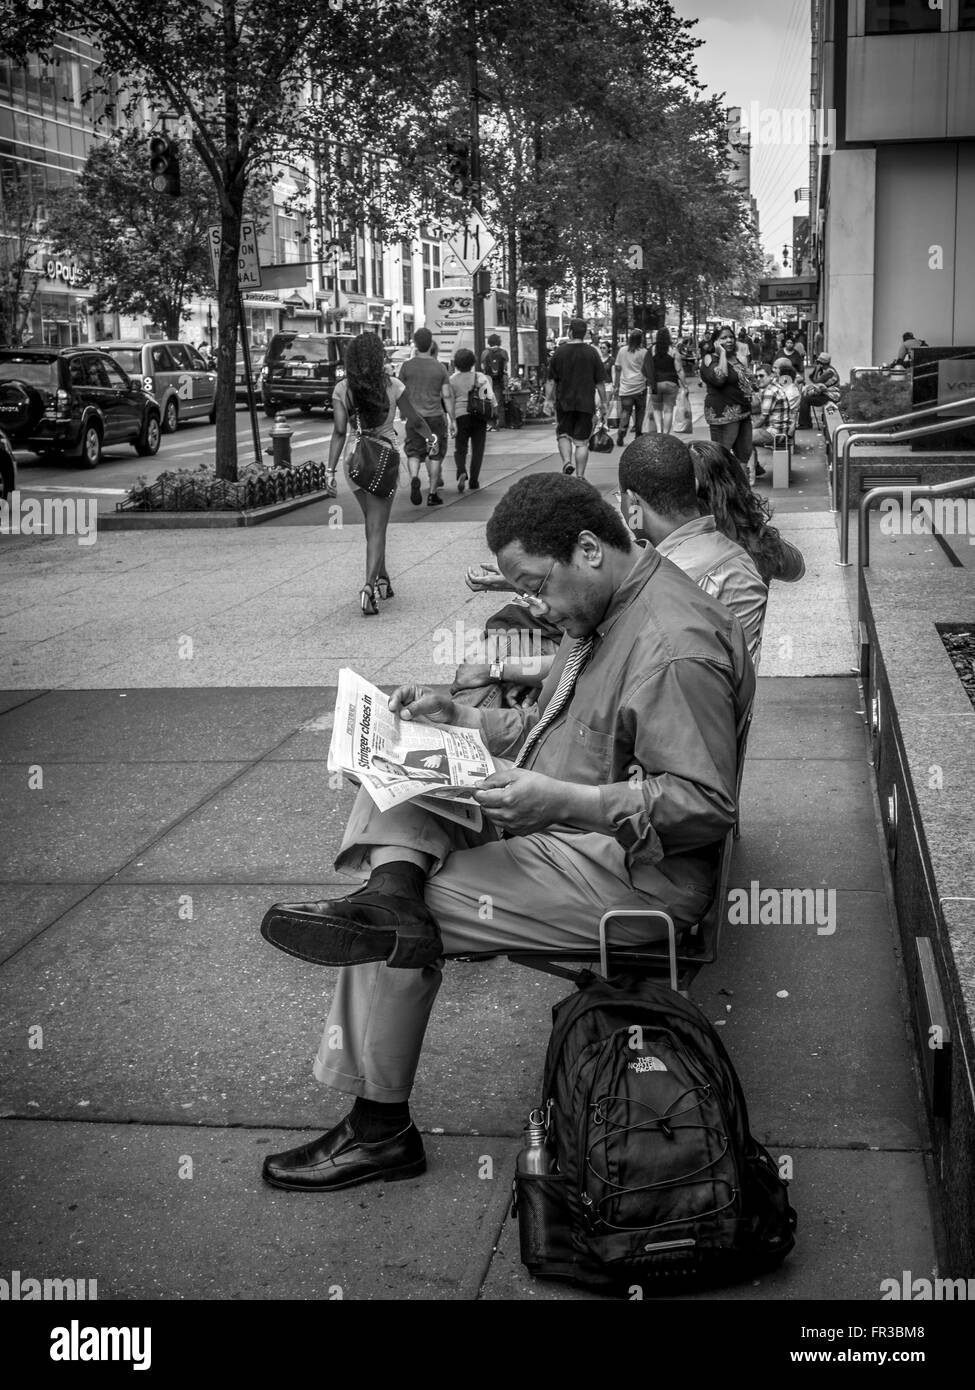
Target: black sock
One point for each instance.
(374, 1120)
(398, 879)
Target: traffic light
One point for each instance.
(164, 164)
(458, 168)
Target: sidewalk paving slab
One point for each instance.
(151, 1017)
(113, 1207)
(88, 820)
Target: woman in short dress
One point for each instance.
(368, 394)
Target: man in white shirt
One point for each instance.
(630, 385)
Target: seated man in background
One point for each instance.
(823, 387)
(779, 413)
(621, 789)
(657, 472)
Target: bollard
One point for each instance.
(281, 441)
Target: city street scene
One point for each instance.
(487, 666)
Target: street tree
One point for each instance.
(144, 251)
(236, 80)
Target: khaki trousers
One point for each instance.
(543, 890)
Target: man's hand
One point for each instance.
(472, 677)
(478, 577)
(522, 802)
(426, 706)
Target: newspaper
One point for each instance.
(397, 760)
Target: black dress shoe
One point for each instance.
(338, 1159)
(366, 926)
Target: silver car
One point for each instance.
(173, 372)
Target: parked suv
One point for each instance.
(175, 373)
(302, 369)
(8, 468)
(71, 401)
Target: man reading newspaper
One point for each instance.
(614, 791)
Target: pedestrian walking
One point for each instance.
(796, 355)
(368, 395)
(664, 371)
(494, 364)
(728, 403)
(468, 429)
(630, 385)
(426, 380)
(576, 376)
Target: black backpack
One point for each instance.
(495, 361)
(656, 1180)
(479, 407)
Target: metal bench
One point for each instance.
(677, 961)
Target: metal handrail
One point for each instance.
(879, 424)
(876, 494)
(958, 422)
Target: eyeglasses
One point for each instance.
(535, 600)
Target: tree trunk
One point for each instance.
(580, 303)
(614, 317)
(228, 310)
(513, 298)
(540, 303)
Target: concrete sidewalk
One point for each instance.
(153, 805)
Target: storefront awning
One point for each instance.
(264, 304)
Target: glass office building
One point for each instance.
(45, 133)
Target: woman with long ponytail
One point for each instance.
(371, 398)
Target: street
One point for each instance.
(192, 444)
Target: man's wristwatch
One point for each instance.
(497, 671)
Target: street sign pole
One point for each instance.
(475, 166)
(251, 401)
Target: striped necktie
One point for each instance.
(577, 659)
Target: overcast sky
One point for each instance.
(758, 51)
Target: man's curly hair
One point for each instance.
(546, 512)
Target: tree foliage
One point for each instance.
(238, 77)
(145, 251)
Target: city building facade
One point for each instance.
(46, 131)
(893, 174)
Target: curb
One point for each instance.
(167, 521)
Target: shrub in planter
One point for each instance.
(200, 490)
(876, 397)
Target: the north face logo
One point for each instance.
(647, 1064)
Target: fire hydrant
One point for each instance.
(281, 433)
